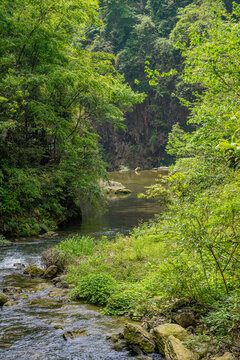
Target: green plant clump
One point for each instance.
(95, 288)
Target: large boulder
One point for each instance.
(3, 299)
(185, 319)
(33, 270)
(50, 272)
(174, 350)
(137, 336)
(162, 332)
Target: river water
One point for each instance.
(33, 329)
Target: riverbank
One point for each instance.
(169, 268)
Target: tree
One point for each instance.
(52, 90)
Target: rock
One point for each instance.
(142, 357)
(62, 285)
(50, 272)
(185, 319)
(9, 303)
(119, 345)
(3, 299)
(45, 303)
(174, 350)
(114, 338)
(49, 234)
(72, 334)
(162, 332)
(163, 168)
(52, 257)
(33, 270)
(226, 356)
(12, 290)
(123, 191)
(114, 187)
(136, 335)
(19, 265)
(58, 327)
(153, 322)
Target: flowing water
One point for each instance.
(33, 328)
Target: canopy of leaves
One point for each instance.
(51, 91)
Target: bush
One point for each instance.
(76, 246)
(95, 288)
(120, 303)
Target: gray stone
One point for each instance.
(185, 319)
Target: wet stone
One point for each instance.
(72, 334)
(12, 290)
(3, 299)
(33, 270)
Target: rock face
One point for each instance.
(136, 335)
(161, 334)
(50, 272)
(3, 299)
(33, 270)
(174, 350)
(185, 319)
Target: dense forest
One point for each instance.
(71, 72)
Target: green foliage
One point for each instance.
(52, 90)
(225, 316)
(76, 246)
(121, 303)
(4, 241)
(95, 288)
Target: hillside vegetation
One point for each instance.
(191, 252)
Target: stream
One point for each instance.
(33, 330)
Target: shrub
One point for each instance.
(120, 303)
(95, 288)
(76, 246)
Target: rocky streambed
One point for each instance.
(40, 321)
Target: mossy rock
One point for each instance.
(12, 290)
(174, 350)
(73, 333)
(33, 270)
(9, 303)
(46, 303)
(162, 332)
(3, 299)
(50, 272)
(136, 335)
